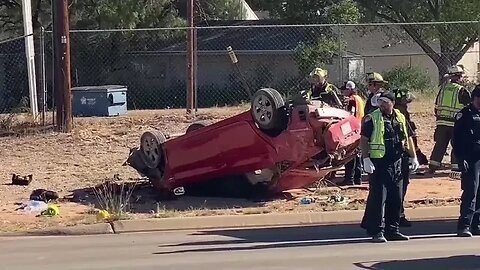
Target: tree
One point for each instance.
(454, 41)
(310, 11)
(322, 44)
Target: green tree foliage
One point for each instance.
(311, 11)
(454, 39)
(413, 79)
(318, 54)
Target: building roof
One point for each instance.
(276, 36)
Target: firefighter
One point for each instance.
(466, 146)
(323, 90)
(402, 99)
(451, 99)
(376, 86)
(355, 105)
(386, 135)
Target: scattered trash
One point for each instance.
(338, 199)
(179, 191)
(51, 211)
(34, 206)
(103, 215)
(43, 195)
(18, 180)
(307, 200)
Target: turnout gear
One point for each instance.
(323, 90)
(450, 100)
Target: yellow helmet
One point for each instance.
(456, 69)
(375, 77)
(322, 73)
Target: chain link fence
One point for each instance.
(152, 62)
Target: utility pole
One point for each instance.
(190, 56)
(62, 80)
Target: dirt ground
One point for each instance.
(96, 149)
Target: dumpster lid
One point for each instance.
(99, 88)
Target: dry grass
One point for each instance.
(97, 148)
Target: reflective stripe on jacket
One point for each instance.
(377, 140)
(448, 105)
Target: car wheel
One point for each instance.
(268, 110)
(150, 147)
(197, 125)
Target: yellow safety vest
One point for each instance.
(447, 104)
(377, 140)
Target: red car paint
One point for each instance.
(237, 146)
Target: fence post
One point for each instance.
(43, 97)
(340, 56)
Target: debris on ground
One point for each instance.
(34, 206)
(307, 200)
(51, 211)
(44, 195)
(338, 199)
(103, 215)
(18, 180)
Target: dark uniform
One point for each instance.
(402, 99)
(466, 145)
(386, 181)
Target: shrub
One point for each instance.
(412, 78)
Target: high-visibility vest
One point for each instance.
(359, 106)
(447, 104)
(377, 140)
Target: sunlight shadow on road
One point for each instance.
(268, 238)
(468, 262)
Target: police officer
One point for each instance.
(323, 90)
(386, 135)
(355, 105)
(466, 146)
(451, 99)
(376, 86)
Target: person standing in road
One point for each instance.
(376, 85)
(466, 146)
(323, 90)
(355, 105)
(451, 99)
(386, 134)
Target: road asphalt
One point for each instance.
(433, 246)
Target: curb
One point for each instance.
(92, 229)
(272, 220)
(236, 222)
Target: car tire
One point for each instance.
(150, 148)
(196, 125)
(268, 110)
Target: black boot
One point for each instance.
(404, 222)
(396, 236)
(464, 233)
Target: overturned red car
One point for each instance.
(275, 146)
